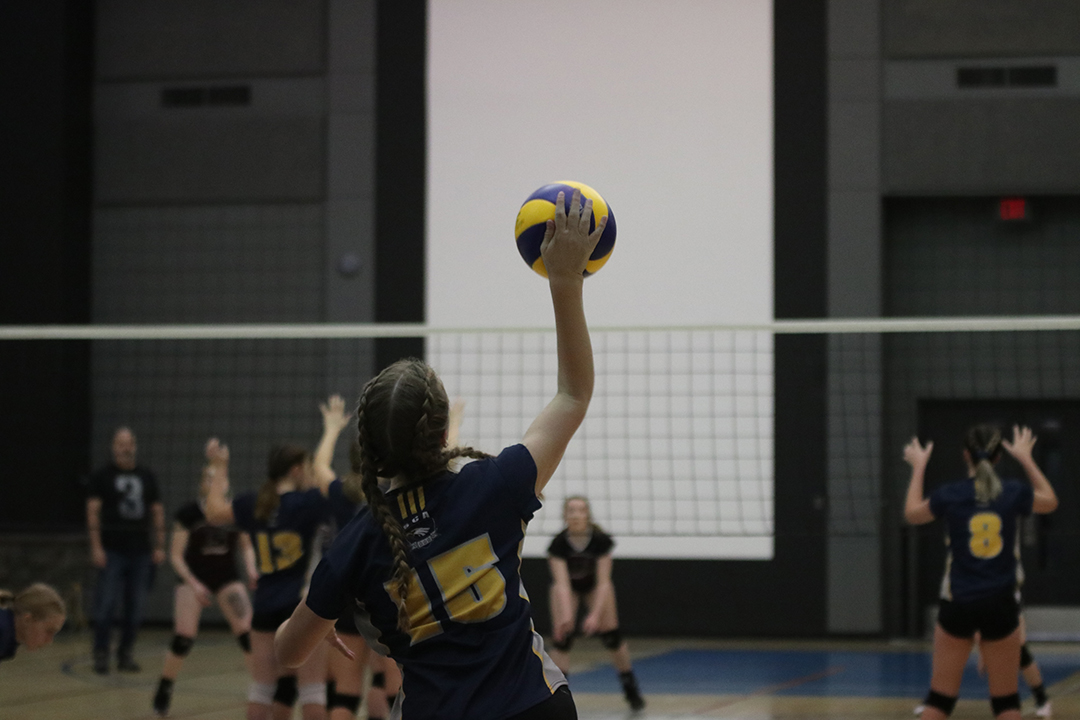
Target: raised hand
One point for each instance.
(333, 412)
(1023, 443)
(916, 455)
(567, 242)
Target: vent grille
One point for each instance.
(1028, 76)
(215, 96)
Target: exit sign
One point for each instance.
(1013, 209)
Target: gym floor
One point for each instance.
(680, 678)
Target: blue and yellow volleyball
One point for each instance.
(540, 207)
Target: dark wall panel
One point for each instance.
(981, 146)
(972, 28)
(210, 39)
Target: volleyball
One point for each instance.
(539, 207)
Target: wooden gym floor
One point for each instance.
(680, 679)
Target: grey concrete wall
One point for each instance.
(259, 209)
(854, 289)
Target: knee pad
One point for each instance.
(1025, 657)
(611, 639)
(261, 693)
(944, 703)
(181, 645)
(565, 644)
(339, 700)
(313, 694)
(378, 680)
(245, 641)
(286, 690)
(1001, 703)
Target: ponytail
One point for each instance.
(983, 443)
(283, 458)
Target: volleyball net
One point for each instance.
(676, 455)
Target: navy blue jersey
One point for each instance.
(342, 509)
(581, 564)
(7, 634)
(282, 546)
(981, 538)
(472, 651)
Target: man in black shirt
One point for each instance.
(122, 506)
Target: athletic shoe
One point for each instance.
(101, 663)
(919, 710)
(125, 663)
(162, 700)
(636, 701)
(1044, 710)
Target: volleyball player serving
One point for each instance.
(978, 592)
(432, 564)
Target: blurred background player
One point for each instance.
(978, 593)
(281, 519)
(580, 561)
(30, 618)
(204, 559)
(123, 510)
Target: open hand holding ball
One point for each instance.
(560, 209)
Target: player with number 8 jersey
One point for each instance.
(979, 590)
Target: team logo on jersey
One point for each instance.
(420, 530)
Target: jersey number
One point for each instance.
(131, 504)
(986, 539)
(278, 551)
(473, 590)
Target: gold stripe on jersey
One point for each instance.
(420, 494)
(401, 505)
(412, 502)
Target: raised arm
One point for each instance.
(335, 419)
(1021, 447)
(566, 248)
(218, 508)
(916, 507)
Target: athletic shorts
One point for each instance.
(995, 617)
(346, 625)
(214, 581)
(270, 621)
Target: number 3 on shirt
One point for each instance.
(473, 590)
(986, 539)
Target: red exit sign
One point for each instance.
(1012, 209)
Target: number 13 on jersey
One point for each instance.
(473, 590)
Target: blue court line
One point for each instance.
(797, 672)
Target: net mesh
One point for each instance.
(676, 454)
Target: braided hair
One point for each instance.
(983, 443)
(402, 419)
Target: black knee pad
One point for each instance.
(1025, 657)
(378, 680)
(1001, 703)
(564, 645)
(612, 639)
(331, 690)
(339, 700)
(181, 645)
(245, 641)
(944, 703)
(287, 690)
